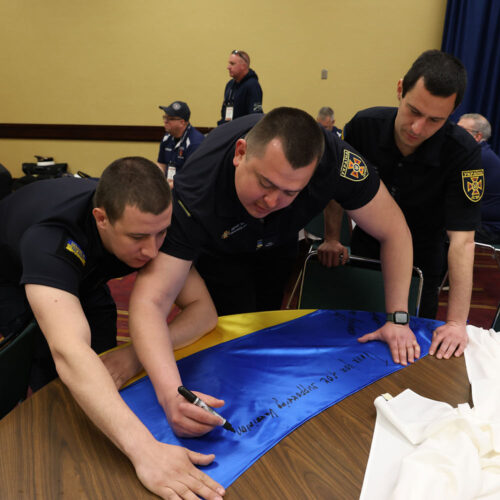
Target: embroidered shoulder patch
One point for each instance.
(473, 184)
(353, 167)
(73, 248)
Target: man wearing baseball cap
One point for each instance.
(181, 138)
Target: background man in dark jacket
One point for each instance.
(243, 94)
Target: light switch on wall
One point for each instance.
(324, 74)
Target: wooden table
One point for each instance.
(50, 449)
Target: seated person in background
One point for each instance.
(479, 127)
(433, 170)
(61, 240)
(326, 119)
(180, 141)
(240, 202)
(5, 182)
(243, 93)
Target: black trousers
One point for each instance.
(15, 315)
(248, 282)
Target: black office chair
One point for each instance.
(496, 320)
(314, 233)
(5, 182)
(493, 249)
(16, 354)
(357, 285)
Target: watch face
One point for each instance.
(400, 317)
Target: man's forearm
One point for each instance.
(396, 255)
(94, 390)
(152, 343)
(190, 324)
(198, 314)
(155, 289)
(333, 214)
(460, 269)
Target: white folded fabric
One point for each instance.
(425, 449)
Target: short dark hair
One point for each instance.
(133, 181)
(301, 137)
(443, 75)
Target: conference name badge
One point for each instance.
(473, 184)
(353, 167)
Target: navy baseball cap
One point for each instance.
(177, 108)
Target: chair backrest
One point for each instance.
(357, 285)
(16, 354)
(316, 227)
(496, 320)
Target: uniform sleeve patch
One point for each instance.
(74, 250)
(353, 167)
(473, 184)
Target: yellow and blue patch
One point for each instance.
(73, 248)
(353, 167)
(473, 184)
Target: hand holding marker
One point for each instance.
(192, 398)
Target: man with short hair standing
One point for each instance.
(243, 93)
(433, 170)
(479, 127)
(180, 141)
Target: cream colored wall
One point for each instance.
(114, 61)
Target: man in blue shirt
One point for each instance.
(479, 127)
(326, 118)
(180, 141)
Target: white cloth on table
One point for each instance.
(425, 449)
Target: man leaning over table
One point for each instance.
(251, 186)
(432, 167)
(61, 240)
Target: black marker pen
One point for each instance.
(193, 398)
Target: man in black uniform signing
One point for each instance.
(433, 170)
(61, 240)
(250, 186)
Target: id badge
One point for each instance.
(170, 173)
(229, 113)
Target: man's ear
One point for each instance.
(400, 89)
(240, 152)
(100, 217)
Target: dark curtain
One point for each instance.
(472, 33)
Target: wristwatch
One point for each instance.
(398, 317)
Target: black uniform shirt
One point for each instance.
(438, 186)
(208, 216)
(48, 236)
